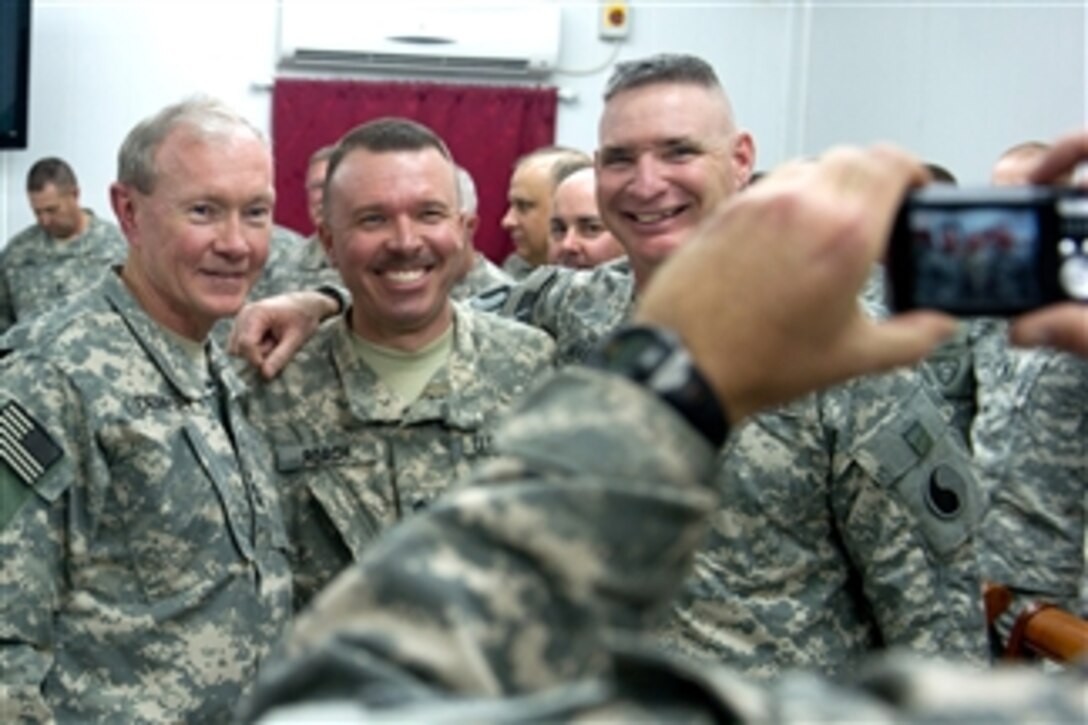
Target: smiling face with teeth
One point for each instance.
(394, 229)
(668, 153)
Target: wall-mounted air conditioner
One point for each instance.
(514, 38)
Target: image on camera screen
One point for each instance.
(975, 260)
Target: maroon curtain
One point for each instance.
(486, 128)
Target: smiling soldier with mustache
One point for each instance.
(847, 517)
(395, 397)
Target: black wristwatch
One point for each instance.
(656, 359)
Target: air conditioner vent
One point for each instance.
(510, 40)
(309, 58)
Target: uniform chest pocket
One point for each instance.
(343, 481)
(176, 496)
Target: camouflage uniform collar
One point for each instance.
(369, 399)
(93, 228)
(169, 356)
(457, 392)
(449, 396)
(88, 231)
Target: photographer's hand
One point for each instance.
(1063, 326)
(765, 297)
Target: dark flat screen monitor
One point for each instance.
(14, 72)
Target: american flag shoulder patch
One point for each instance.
(24, 445)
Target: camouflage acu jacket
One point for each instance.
(846, 526)
(831, 540)
(1031, 445)
(576, 307)
(525, 597)
(37, 272)
(143, 569)
(353, 458)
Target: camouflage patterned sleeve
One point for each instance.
(36, 469)
(7, 311)
(576, 307)
(1032, 450)
(533, 300)
(511, 600)
(906, 502)
(507, 585)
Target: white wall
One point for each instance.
(99, 66)
(956, 81)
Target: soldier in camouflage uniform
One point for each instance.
(526, 596)
(392, 400)
(64, 253)
(143, 568)
(1024, 415)
(520, 598)
(1031, 441)
(847, 516)
(831, 505)
(884, 489)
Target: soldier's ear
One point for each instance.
(469, 223)
(124, 208)
(325, 235)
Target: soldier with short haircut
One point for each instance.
(395, 397)
(579, 238)
(847, 517)
(527, 596)
(143, 569)
(528, 217)
(64, 253)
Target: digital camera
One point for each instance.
(988, 251)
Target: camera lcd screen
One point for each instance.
(975, 260)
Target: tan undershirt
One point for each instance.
(406, 373)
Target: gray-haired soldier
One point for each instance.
(847, 517)
(143, 568)
(65, 252)
(392, 400)
(526, 597)
(481, 274)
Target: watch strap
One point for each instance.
(657, 359)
